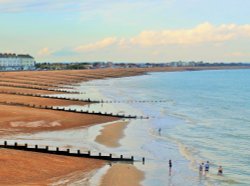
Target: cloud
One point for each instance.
(200, 34)
(203, 33)
(13, 6)
(44, 52)
(97, 45)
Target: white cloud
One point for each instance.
(97, 45)
(44, 52)
(202, 33)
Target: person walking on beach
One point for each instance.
(220, 170)
(201, 167)
(159, 131)
(207, 166)
(170, 167)
(170, 164)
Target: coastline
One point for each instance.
(12, 114)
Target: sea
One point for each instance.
(193, 117)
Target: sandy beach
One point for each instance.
(122, 175)
(27, 168)
(111, 134)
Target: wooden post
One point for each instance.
(57, 149)
(110, 155)
(47, 148)
(5, 143)
(143, 160)
(15, 144)
(78, 152)
(68, 150)
(121, 156)
(89, 153)
(132, 158)
(36, 146)
(26, 145)
(100, 154)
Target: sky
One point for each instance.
(127, 31)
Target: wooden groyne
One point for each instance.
(67, 152)
(47, 96)
(39, 88)
(83, 100)
(30, 83)
(74, 110)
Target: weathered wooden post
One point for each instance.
(15, 144)
(110, 155)
(57, 149)
(78, 152)
(132, 158)
(121, 156)
(26, 145)
(68, 151)
(36, 146)
(89, 153)
(47, 148)
(5, 143)
(100, 154)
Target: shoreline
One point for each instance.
(54, 121)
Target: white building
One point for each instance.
(16, 62)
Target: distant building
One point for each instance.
(16, 62)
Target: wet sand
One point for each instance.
(111, 134)
(122, 175)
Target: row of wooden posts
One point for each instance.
(75, 110)
(83, 100)
(48, 96)
(31, 83)
(67, 152)
(39, 88)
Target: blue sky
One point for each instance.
(134, 31)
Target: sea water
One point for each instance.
(204, 116)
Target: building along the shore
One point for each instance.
(16, 62)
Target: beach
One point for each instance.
(26, 168)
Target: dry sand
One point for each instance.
(111, 134)
(29, 168)
(39, 100)
(122, 175)
(11, 115)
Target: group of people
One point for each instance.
(205, 168)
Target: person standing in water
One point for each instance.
(220, 170)
(201, 167)
(207, 166)
(170, 166)
(159, 131)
